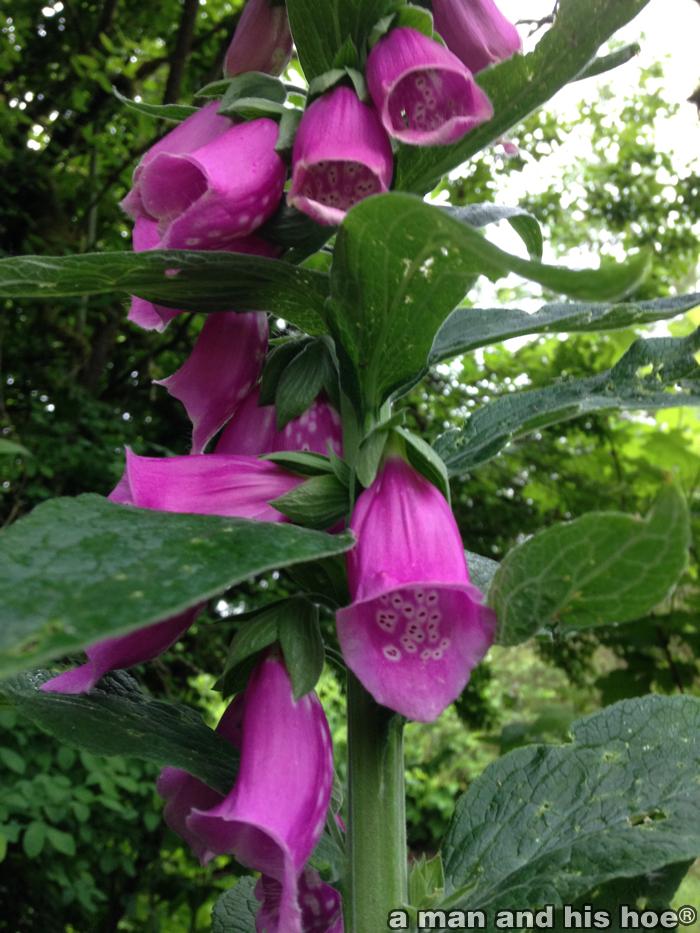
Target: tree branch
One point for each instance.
(181, 52)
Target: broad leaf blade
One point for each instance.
(522, 84)
(545, 825)
(205, 281)
(603, 567)
(470, 328)
(659, 372)
(117, 718)
(76, 571)
(236, 909)
(400, 266)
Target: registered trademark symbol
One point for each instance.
(687, 915)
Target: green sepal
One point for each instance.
(253, 84)
(326, 579)
(275, 365)
(346, 56)
(423, 458)
(302, 380)
(319, 503)
(426, 883)
(291, 229)
(253, 108)
(289, 124)
(325, 82)
(302, 644)
(341, 469)
(370, 455)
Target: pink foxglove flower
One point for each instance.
(219, 373)
(416, 627)
(274, 815)
(252, 430)
(262, 40)
(341, 155)
(476, 31)
(424, 94)
(209, 184)
(145, 236)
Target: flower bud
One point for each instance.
(476, 31)
(262, 40)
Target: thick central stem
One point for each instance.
(376, 844)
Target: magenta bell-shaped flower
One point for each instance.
(274, 815)
(145, 236)
(209, 184)
(416, 627)
(476, 31)
(253, 430)
(424, 94)
(341, 155)
(262, 40)
(219, 373)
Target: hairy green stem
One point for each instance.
(376, 880)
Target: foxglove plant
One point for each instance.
(365, 310)
(424, 94)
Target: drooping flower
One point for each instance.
(424, 94)
(275, 813)
(145, 236)
(416, 627)
(209, 183)
(341, 155)
(476, 31)
(262, 40)
(220, 372)
(252, 430)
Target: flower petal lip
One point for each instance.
(416, 626)
(341, 155)
(222, 368)
(219, 192)
(262, 40)
(476, 31)
(196, 131)
(424, 94)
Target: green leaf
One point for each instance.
(482, 570)
(524, 223)
(236, 909)
(400, 266)
(300, 382)
(9, 449)
(78, 570)
(174, 112)
(521, 85)
(117, 718)
(276, 363)
(659, 372)
(322, 27)
(253, 84)
(302, 644)
(34, 838)
(320, 502)
(327, 859)
(470, 328)
(603, 567)
(12, 760)
(547, 824)
(426, 882)
(206, 281)
(62, 842)
(607, 62)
